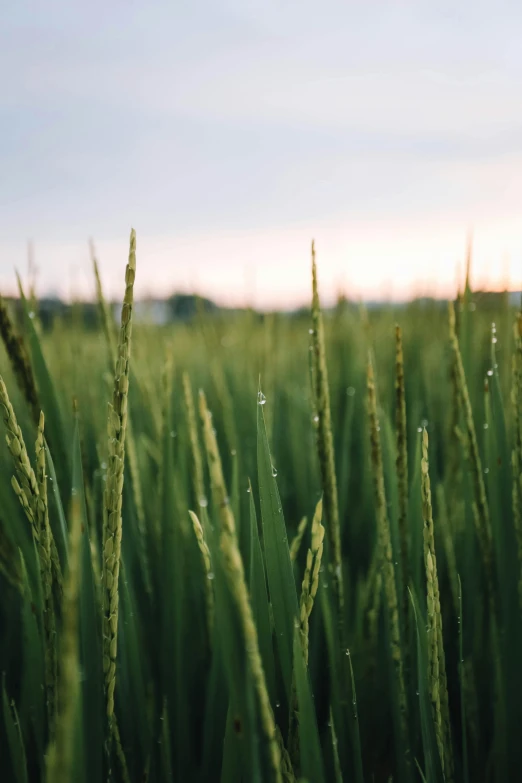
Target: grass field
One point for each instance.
(290, 549)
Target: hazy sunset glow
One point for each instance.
(386, 132)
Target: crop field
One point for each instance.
(262, 547)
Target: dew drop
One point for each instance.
(248, 489)
(419, 429)
(310, 331)
(316, 419)
(233, 453)
(490, 373)
(274, 471)
(31, 314)
(210, 575)
(172, 434)
(486, 470)
(486, 425)
(261, 399)
(493, 340)
(350, 391)
(203, 502)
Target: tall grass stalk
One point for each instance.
(18, 354)
(385, 553)
(481, 516)
(44, 554)
(207, 570)
(113, 495)
(197, 475)
(437, 665)
(234, 571)
(402, 469)
(311, 577)
(131, 449)
(516, 455)
(60, 755)
(325, 447)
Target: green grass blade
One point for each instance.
(309, 742)
(281, 584)
(433, 770)
(57, 522)
(90, 635)
(259, 600)
(14, 740)
(464, 728)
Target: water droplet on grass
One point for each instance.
(261, 399)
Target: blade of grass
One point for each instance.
(281, 584)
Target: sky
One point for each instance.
(230, 133)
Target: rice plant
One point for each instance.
(262, 547)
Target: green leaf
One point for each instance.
(32, 707)
(309, 742)
(59, 526)
(336, 674)
(90, 637)
(464, 728)
(279, 571)
(241, 690)
(433, 770)
(215, 714)
(14, 739)
(259, 600)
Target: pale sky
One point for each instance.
(229, 133)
